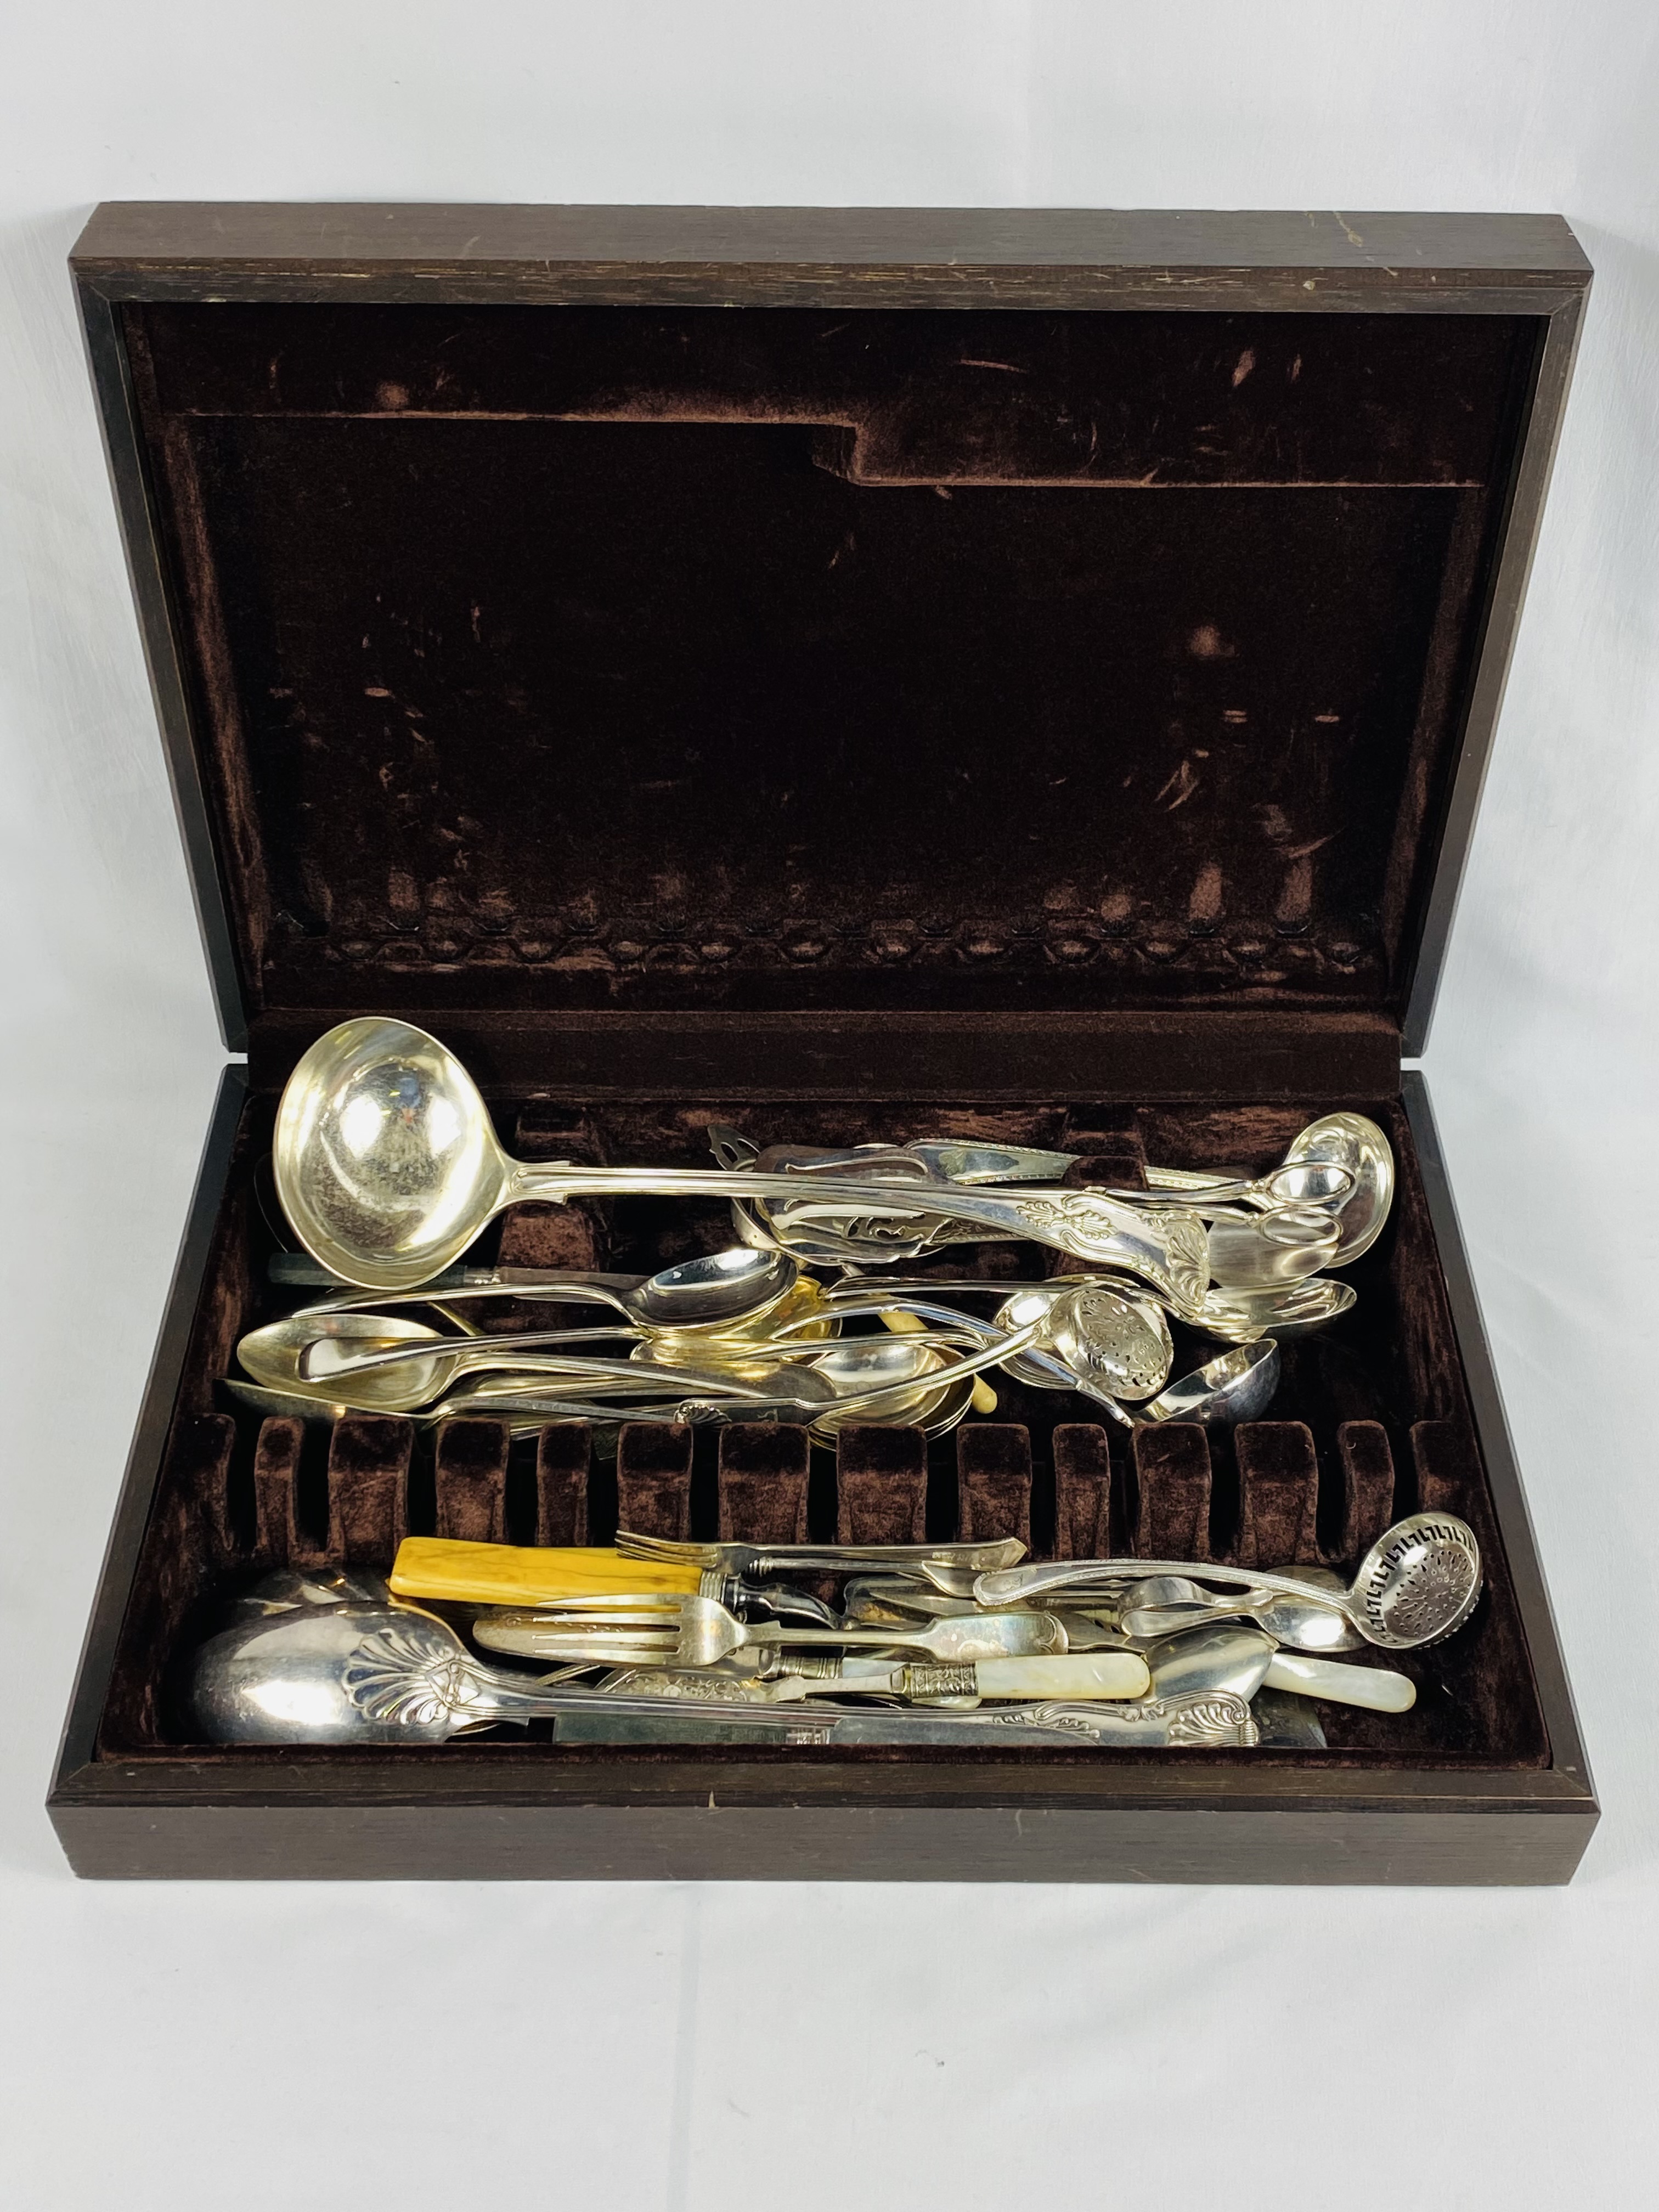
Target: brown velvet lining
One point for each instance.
(276, 1470)
(1083, 1493)
(653, 1479)
(1172, 1483)
(1279, 1495)
(1371, 1419)
(561, 1460)
(590, 658)
(470, 1481)
(881, 1486)
(368, 1488)
(994, 1481)
(763, 1472)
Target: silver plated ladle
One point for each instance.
(1351, 1142)
(1419, 1582)
(388, 1168)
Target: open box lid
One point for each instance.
(832, 649)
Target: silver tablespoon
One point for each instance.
(311, 1355)
(359, 1674)
(714, 1289)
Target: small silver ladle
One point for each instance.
(1419, 1582)
(1110, 1337)
(1235, 1386)
(1351, 1142)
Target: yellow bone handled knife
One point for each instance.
(524, 1574)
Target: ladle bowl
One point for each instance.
(1235, 1386)
(386, 1162)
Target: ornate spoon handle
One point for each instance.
(1170, 1248)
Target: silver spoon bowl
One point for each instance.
(1240, 1317)
(1261, 1251)
(364, 1673)
(935, 1407)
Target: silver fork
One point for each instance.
(748, 1559)
(664, 1628)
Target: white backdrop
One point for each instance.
(187, 2046)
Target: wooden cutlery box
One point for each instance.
(848, 674)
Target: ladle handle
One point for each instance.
(1080, 1222)
(1202, 1182)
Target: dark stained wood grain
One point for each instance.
(1026, 257)
(712, 1842)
